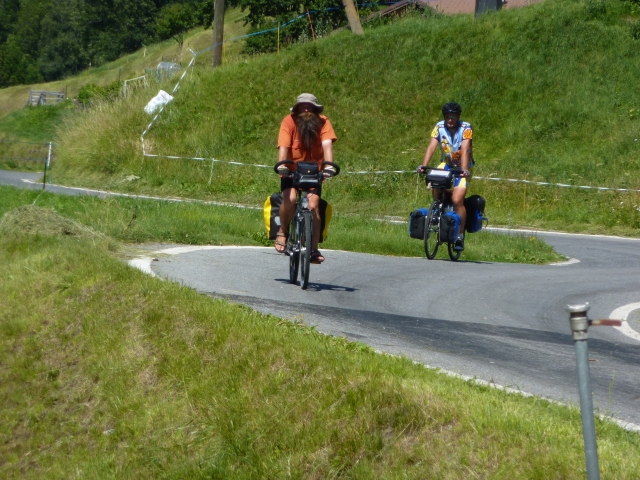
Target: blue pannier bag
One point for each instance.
(475, 213)
(449, 224)
(416, 223)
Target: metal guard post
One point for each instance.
(579, 323)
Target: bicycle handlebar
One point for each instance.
(455, 172)
(325, 163)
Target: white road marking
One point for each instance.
(551, 232)
(622, 313)
(571, 261)
(195, 248)
(143, 263)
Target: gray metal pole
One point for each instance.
(580, 327)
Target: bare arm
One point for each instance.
(464, 150)
(283, 154)
(433, 144)
(327, 149)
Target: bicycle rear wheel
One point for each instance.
(293, 247)
(305, 248)
(432, 231)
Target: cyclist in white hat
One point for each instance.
(307, 136)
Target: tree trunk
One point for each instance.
(352, 15)
(218, 28)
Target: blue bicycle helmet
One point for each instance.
(451, 107)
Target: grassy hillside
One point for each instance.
(550, 89)
(106, 372)
(134, 65)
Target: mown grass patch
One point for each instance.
(138, 221)
(108, 373)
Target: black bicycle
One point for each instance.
(437, 230)
(306, 176)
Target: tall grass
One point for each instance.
(108, 373)
(549, 89)
(133, 220)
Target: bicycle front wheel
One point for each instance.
(453, 254)
(432, 231)
(305, 248)
(293, 246)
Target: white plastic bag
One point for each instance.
(156, 102)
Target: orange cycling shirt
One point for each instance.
(290, 139)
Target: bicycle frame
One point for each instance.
(443, 183)
(300, 240)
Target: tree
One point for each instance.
(9, 10)
(119, 26)
(62, 42)
(174, 21)
(16, 67)
(326, 15)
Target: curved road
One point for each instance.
(509, 326)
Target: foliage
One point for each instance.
(324, 17)
(47, 39)
(92, 93)
(174, 20)
(16, 67)
(596, 8)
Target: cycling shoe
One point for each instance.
(458, 246)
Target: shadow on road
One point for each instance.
(318, 287)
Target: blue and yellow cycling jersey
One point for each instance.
(450, 145)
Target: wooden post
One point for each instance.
(352, 15)
(218, 28)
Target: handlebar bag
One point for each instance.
(439, 178)
(416, 223)
(307, 175)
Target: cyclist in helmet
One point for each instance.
(454, 138)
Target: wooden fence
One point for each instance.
(42, 97)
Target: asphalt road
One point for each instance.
(502, 323)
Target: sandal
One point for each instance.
(282, 245)
(316, 257)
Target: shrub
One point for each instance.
(92, 93)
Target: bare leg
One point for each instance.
(314, 206)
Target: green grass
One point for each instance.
(550, 90)
(140, 221)
(25, 134)
(108, 373)
(134, 65)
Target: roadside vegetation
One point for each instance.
(106, 372)
(151, 221)
(550, 89)
(134, 64)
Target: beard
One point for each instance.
(309, 125)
